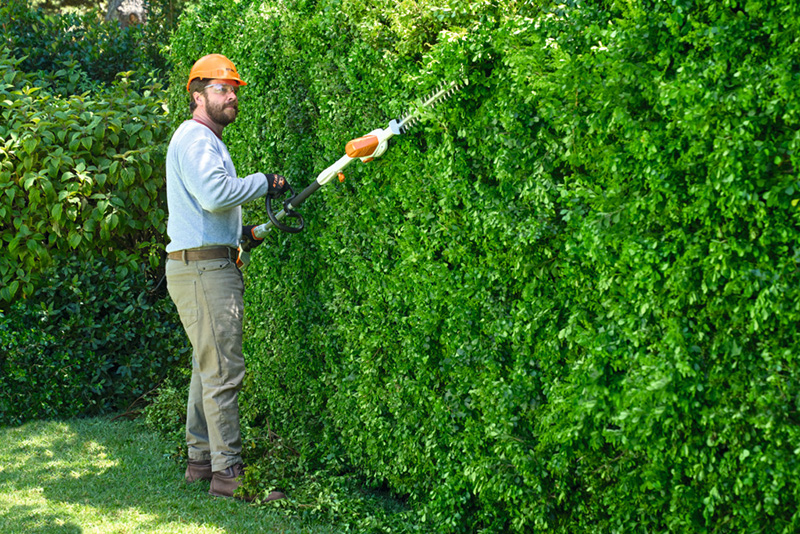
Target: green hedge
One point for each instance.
(101, 49)
(80, 175)
(83, 209)
(93, 340)
(567, 302)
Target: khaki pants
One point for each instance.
(209, 297)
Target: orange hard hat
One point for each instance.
(214, 66)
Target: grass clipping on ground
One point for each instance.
(97, 476)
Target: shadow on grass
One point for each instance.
(97, 476)
(32, 519)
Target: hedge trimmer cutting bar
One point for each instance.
(442, 94)
(366, 148)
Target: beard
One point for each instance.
(222, 114)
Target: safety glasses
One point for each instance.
(223, 88)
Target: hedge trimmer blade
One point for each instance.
(441, 94)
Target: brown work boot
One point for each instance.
(198, 470)
(224, 483)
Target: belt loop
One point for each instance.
(185, 261)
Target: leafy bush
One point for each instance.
(91, 341)
(566, 302)
(31, 362)
(165, 411)
(101, 49)
(83, 212)
(80, 175)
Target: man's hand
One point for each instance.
(249, 241)
(277, 185)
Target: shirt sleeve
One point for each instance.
(210, 176)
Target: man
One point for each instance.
(204, 198)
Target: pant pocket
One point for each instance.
(184, 295)
(208, 266)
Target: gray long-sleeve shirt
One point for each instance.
(204, 195)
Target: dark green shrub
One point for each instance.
(83, 215)
(165, 411)
(566, 302)
(80, 175)
(91, 340)
(37, 378)
(45, 41)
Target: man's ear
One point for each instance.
(197, 97)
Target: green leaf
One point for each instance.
(30, 144)
(74, 239)
(56, 212)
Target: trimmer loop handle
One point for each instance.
(287, 212)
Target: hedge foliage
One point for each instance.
(92, 341)
(83, 211)
(45, 41)
(81, 172)
(568, 301)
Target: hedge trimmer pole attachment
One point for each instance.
(365, 148)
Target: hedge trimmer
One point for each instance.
(365, 148)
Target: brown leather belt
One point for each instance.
(204, 254)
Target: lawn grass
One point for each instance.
(98, 476)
